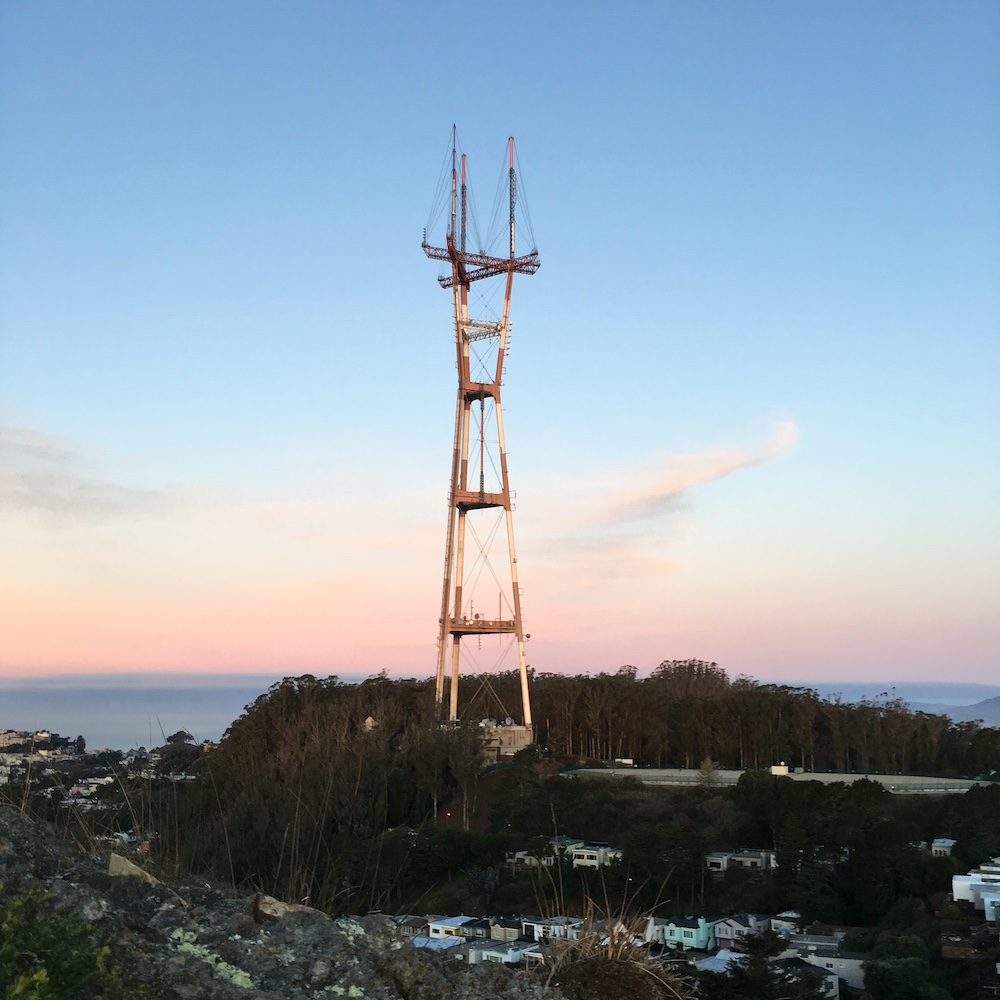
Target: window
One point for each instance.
(689, 934)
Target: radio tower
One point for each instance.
(476, 600)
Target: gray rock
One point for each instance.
(189, 941)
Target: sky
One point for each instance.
(751, 405)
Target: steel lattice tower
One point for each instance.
(480, 488)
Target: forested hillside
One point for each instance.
(328, 791)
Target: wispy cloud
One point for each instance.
(42, 474)
(675, 475)
(615, 528)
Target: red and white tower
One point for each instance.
(480, 600)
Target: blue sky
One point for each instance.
(767, 316)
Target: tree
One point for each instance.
(901, 979)
(465, 761)
(520, 805)
(427, 755)
(179, 738)
(708, 773)
(756, 977)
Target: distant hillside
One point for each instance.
(988, 711)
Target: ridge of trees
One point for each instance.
(321, 790)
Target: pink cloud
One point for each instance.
(677, 474)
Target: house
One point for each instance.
(595, 855)
(717, 861)
(414, 927)
(476, 928)
(562, 845)
(541, 928)
(505, 929)
(757, 860)
(557, 847)
(797, 968)
(436, 943)
(848, 966)
(508, 952)
(719, 962)
(942, 847)
(518, 859)
(682, 933)
(823, 951)
(786, 921)
(445, 927)
(981, 887)
(533, 957)
(729, 933)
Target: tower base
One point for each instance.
(504, 739)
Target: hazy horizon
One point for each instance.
(126, 710)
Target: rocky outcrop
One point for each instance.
(187, 940)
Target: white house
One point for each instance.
(823, 951)
(942, 847)
(595, 855)
(729, 933)
(991, 904)
(721, 861)
(973, 887)
(717, 861)
(540, 928)
(558, 847)
(445, 927)
(848, 967)
(758, 860)
(436, 943)
(510, 952)
(786, 921)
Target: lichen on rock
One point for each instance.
(185, 940)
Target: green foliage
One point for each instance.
(902, 979)
(859, 939)
(46, 955)
(757, 978)
(521, 806)
(482, 882)
(297, 795)
(305, 798)
(976, 824)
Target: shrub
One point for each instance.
(46, 955)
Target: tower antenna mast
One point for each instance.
(479, 479)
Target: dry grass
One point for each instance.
(605, 959)
(606, 952)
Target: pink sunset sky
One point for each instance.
(751, 403)
(105, 577)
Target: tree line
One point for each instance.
(688, 710)
(319, 790)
